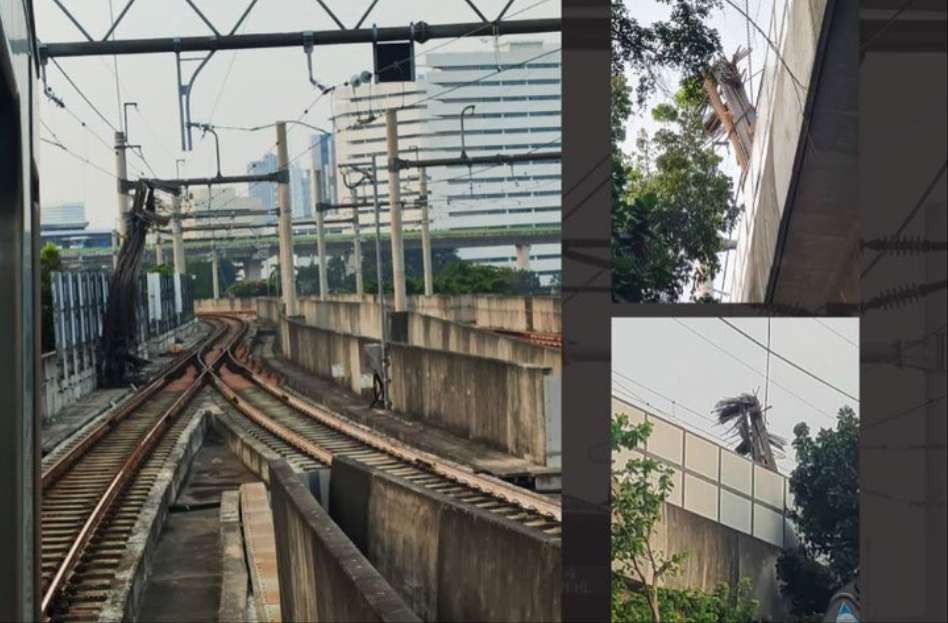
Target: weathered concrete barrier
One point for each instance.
(539, 314)
(499, 403)
(352, 317)
(234, 578)
(228, 304)
(430, 332)
(323, 576)
(268, 309)
(450, 562)
(328, 354)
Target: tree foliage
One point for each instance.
(50, 262)
(203, 286)
(683, 42)
(671, 203)
(722, 605)
(825, 486)
(639, 490)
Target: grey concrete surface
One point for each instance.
(323, 577)
(450, 562)
(414, 432)
(184, 579)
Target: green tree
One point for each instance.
(50, 262)
(672, 206)
(201, 280)
(684, 42)
(639, 490)
(470, 278)
(249, 289)
(825, 486)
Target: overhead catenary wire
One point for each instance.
(752, 369)
(791, 363)
(835, 332)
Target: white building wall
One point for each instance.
(516, 111)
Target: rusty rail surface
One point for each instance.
(105, 503)
(489, 485)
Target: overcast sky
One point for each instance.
(242, 88)
(656, 357)
(735, 33)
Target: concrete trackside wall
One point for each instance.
(228, 304)
(539, 314)
(423, 543)
(489, 400)
(352, 317)
(432, 332)
(719, 554)
(328, 354)
(323, 576)
(269, 310)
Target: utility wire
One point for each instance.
(752, 369)
(835, 332)
(83, 95)
(910, 216)
(790, 363)
(77, 156)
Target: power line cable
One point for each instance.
(791, 363)
(754, 370)
(835, 332)
(83, 95)
(78, 157)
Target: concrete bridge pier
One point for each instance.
(253, 269)
(523, 256)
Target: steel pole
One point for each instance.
(177, 240)
(395, 211)
(215, 273)
(286, 227)
(357, 244)
(383, 329)
(315, 180)
(425, 232)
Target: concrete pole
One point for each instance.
(425, 232)
(177, 239)
(215, 273)
(287, 276)
(315, 180)
(395, 205)
(357, 243)
(121, 171)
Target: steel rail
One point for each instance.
(62, 465)
(126, 472)
(488, 484)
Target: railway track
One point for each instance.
(94, 486)
(292, 427)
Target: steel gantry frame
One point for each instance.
(419, 32)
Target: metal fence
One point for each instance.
(715, 482)
(79, 301)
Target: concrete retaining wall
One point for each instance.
(328, 354)
(493, 401)
(431, 332)
(449, 562)
(228, 304)
(512, 313)
(234, 577)
(352, 317)
(323, 576)
(719, 554)
(268, 310)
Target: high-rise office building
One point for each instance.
(516, 110)
(324, 161)
(266, 192)
(70, 215)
